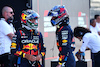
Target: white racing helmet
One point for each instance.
(28, 15)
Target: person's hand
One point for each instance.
(58, 65)
(38, 57)
(78, 56)
(30, 57)
(10, 35)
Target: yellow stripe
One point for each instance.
(24, 55)
(43, 53)
(60, 63)
(64, 41)
(19, 52)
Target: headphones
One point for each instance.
(80, 33)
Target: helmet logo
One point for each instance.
(62, 9)
(23, 17)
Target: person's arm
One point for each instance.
(87, 48)
(78, 54)
(64, 43)
(10, 35)
(42, 48)
(83, 48)
(6, 29)
(73, 44)
(16, 46)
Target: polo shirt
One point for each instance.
(95, 29)
(5, 41)
(92, 41)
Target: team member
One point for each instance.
(90, 41)
(28, 42)
(6, 35)
(93, 27)
(97, 17)
(64, 35)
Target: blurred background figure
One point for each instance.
(97, 17)
(6, 35)
(94, 28)
(91, 42)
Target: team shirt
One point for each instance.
(64, 37)
(29, 42)
(92, 41)
(5, 41)
(95, 29)
(98, 24)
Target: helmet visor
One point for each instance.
(32, 23)
(52, 13)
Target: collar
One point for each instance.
(3, 19)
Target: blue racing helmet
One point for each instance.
(58, 14)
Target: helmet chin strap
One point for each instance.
(24, 26)
(27, 27)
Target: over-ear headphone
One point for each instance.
(80, 33)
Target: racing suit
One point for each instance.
(29, 42)
(64, 38)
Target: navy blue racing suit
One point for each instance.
(29, 42)
(64, 37)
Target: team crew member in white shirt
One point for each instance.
(6, 34)
(97, 17)
(90, 41)
(93, 27)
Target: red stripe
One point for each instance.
(21, 32)
(46, 34)
(79, 14)
(46, 12)
(60, 29)
(87, 21)
(51, 58)
(61, 2)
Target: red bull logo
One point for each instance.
(23, 17)
(30, 46)
(18, 53)
(13, 45)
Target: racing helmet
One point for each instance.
(58, 13)
(27, 16)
